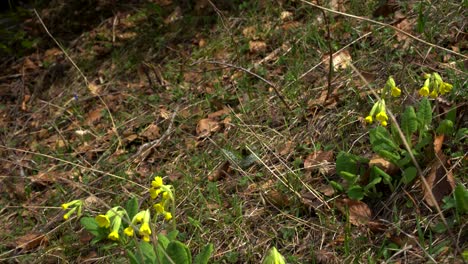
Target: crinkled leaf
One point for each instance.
(349, 166)
(148, 252)
(445, 127)
(409, 122)
(132, 207)
(380, 139)
(204, 256)
(424, 114)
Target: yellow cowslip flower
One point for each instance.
(145, 229)
(65, 206)
(167, 216)
(433, 94)
(159, 208)
(382, 118)
(154, 193)
(157, 182)
(69, 213)
(396, 91)
(114, 235)
(146, 238)
(116, 222)
(73, 206)
(103, 221)
(445, 88)
(128, 231)
(369, 119)
(424, 91)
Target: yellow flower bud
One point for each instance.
(424, 91)
(396, 91)
(157, 182)
(114, 235)
(103, 221)
(369, 119)
(128, 231)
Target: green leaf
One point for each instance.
(445, 127)
(204, 256)
(248, 161)
(178, 253)
(372, 183)
(273, 257)
(337, 186)
(349, 165)
(380, 138)
(409, 122)
(351, 178)
(461, 199)
(133, 259)
(409, 174)
(424, 114)
(89, 223)
(388, 155)
(356, 192)
(172, 235)
(387, 179)
(148, 252)
(132, 207)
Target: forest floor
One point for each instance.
(235, 106)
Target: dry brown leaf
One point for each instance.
(44, 178)
(440, 180)
(30, 241)
(341, 60)
(359, 212)
(277, 198)
(256, 46)
(438, 142)
(28, 64)
(291, 25)
(207, 126)
(94, 116)
(383, 164)
(93, 89)
(286, 149)
(50, 54)
(219, 113)
(286, 16)
(326, 190)
(326, 257)
(164, 113)
(151, 132)
(311, 200)
(24, 105)
(317, 159)
(250, 32)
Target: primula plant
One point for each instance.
(364, 178)
(134, 229)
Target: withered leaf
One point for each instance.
(383, 164)
(30, 241)
(207, 126)
(318, 159)
(94, 116)
(221, 172)
(256, 46)
(440, 180)
(359, 212)
(151, 132)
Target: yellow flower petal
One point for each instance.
(145, 229)
(396, 91)
(168, 216)
(369, 119)
(157, 182)
(128, 231)
(114, 235)
(146, 238)
(424, 91)
(103, 221)
(159, 208)
(382, 116)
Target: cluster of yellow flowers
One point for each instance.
(73, 206)
(434, 85)
(378, 109)
(157, 188)
(112, 220)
